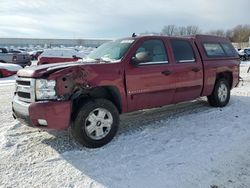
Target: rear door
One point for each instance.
(150, 84)
(188, 70)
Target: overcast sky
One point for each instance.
(114, 18)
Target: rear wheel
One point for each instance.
(221, 94)
(96, 123)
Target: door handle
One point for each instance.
(166, 72)
(196, 69)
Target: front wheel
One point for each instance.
(96, 123)
(221, 94)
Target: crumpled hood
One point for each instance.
(41, 70)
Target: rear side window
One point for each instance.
(183, 51)
(219, 50)
(229, 49)
(214, 50)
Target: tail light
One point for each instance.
(14, 59)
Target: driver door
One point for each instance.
(150, 83)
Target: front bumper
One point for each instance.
(56, 113)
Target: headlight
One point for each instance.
(45, 89)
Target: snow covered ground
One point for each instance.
(8, 80)
(186, 145)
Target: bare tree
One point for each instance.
(241, 33)
(182, 31)
(169, 30)
(172, 30)
(229, 34)
(193, 30)
(218, 32)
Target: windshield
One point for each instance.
(111, 51)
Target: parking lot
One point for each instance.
(184, 145)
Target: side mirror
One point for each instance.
(141, 57)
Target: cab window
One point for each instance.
(183, 51)
(151, 52)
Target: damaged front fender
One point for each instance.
(69, 81)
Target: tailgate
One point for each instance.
(23, 57)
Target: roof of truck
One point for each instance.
(196, 37)
(199, 40)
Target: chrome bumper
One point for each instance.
(20, 107)
(21, 111)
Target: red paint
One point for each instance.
(139, 87)
(52, 113)
(6, 73)
(48, 60)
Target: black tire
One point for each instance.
(218, 99)
(79, 127)
(243, 58)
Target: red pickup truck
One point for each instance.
(122, 76)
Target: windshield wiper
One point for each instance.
(101, 59)
(104, 59)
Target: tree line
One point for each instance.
(238, 34)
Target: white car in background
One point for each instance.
(246, 53)
(7, 69)
(60, 55)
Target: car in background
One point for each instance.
(247, 52)
(20, 58)
(15, 51)
(8, 69)
(34, 54)
(243, 56)
(59, 56)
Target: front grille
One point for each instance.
(20, 82)
(23, 95)
(25, 89)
